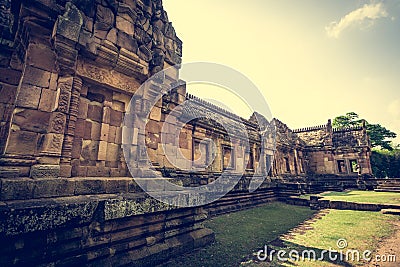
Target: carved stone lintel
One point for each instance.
(129, 63)
(108, 77)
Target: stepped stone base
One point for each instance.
(101, 230)
(107, 221)
(388, 185)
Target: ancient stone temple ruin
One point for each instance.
(68, 71)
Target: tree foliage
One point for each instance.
(379, 135)
(351, 119)
(386, 163)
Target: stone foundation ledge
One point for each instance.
(98, 230)
(30, 188)
(317, 202)
(25, 216)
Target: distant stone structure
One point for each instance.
(68, 70)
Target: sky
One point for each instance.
(312, 60)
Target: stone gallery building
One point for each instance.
(68, 71)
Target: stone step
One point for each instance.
(389, 185)
(396, 190)
(391, 211)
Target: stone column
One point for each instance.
(65, 36)
(66, 155)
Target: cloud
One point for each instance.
(364, 16)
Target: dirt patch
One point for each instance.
(302, 228)
(389, 250)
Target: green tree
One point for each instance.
(351, 119)
(379, 135)
(386, 163)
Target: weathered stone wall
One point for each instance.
(336, 151)
(72, 68)
(289, 158)
(314, 136)
(78, 77)
(351, 137)
(68, 70)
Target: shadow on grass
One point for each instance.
(238, 234)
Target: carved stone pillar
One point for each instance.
(6, 23)
(66, 155)
(65, 36)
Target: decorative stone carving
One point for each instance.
(107, 54)
(156, 21)
(65, 96)
(73, 110)
(129, 63)
(158, 39)
(6, 23)
(144, 21)
(69, 24)
(6, 17)
(109, 77)
(143, 37)
(51, 144)
(57, 123)
(127, 12)
(157, 62)
(104, 18)
(170, 31)
(145, 53)
(166, 45)
(178, 47)
(65, 35)
(45, 171)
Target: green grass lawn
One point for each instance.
(306, 196)
(240, 234)
(362, 231)
(364, 196)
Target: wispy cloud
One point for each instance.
(364, 16)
